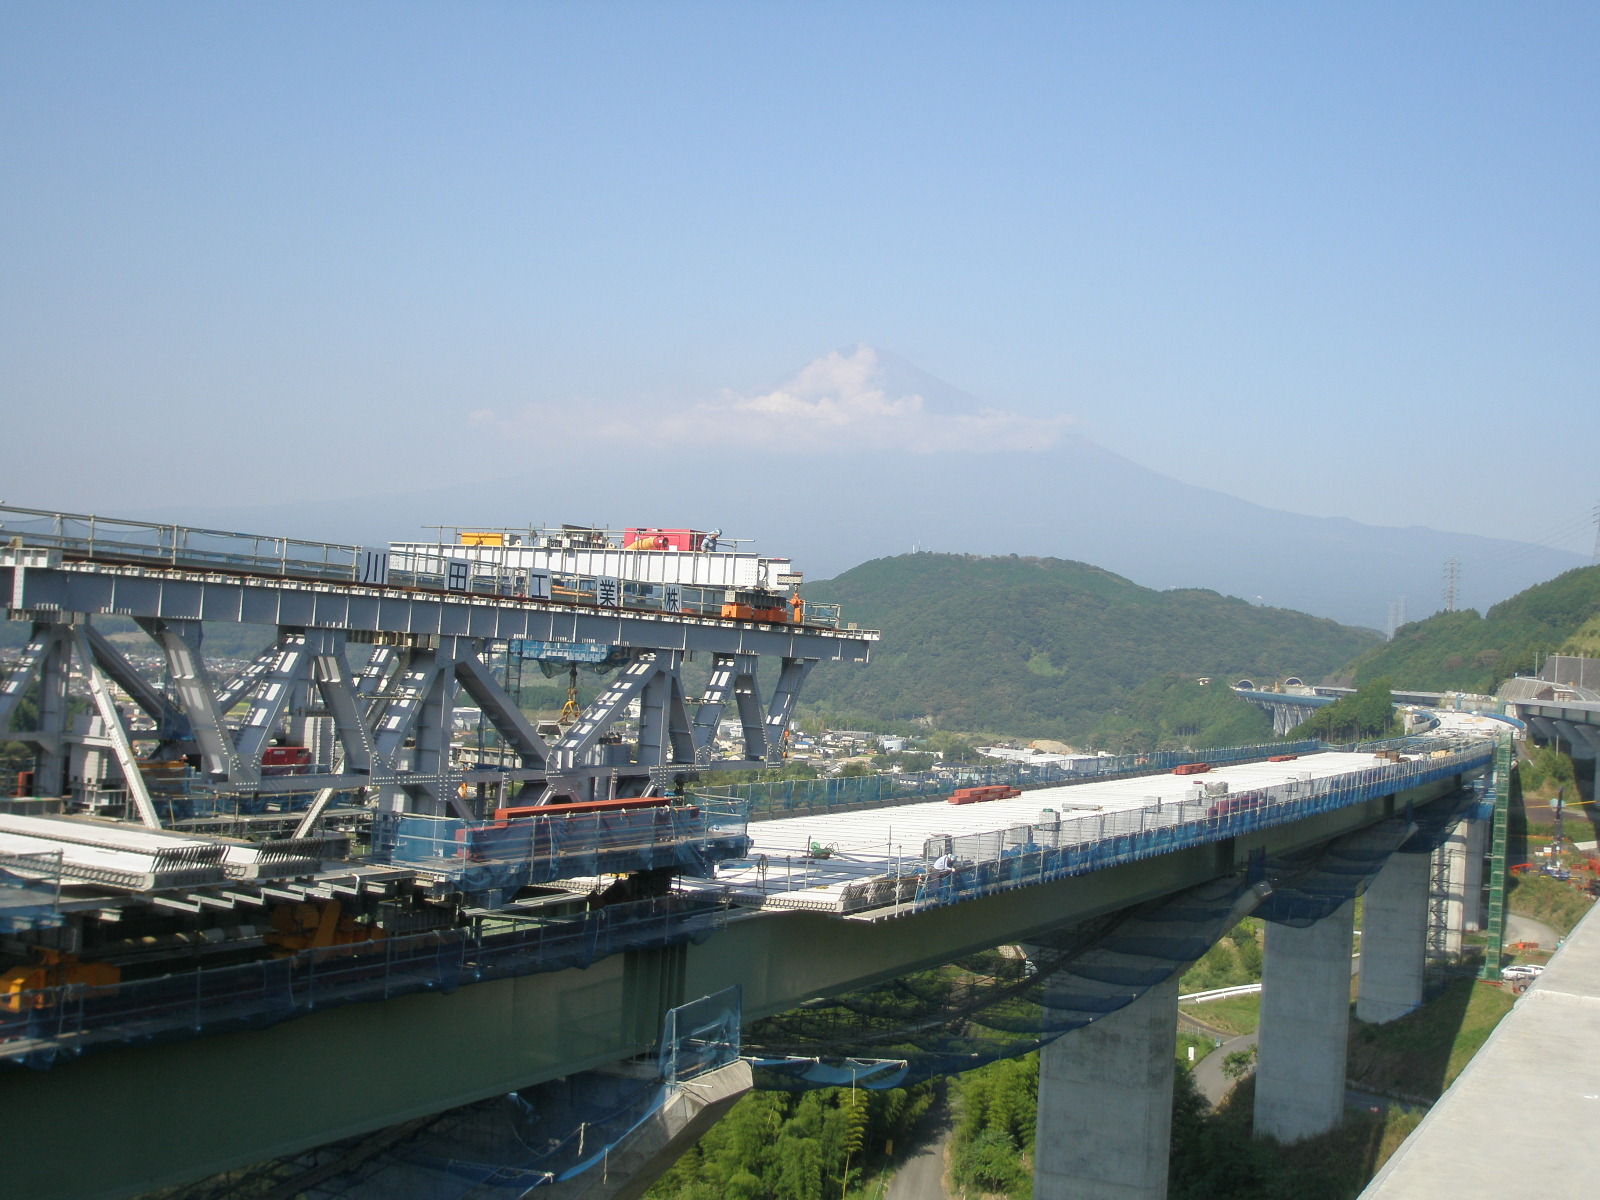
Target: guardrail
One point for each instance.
(1243, 989)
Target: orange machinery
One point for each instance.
(755, 604)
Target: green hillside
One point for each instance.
(1465, 651)
(1042, 647)
(1172, 712)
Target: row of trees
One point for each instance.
(786, 1146)
(1366, 714)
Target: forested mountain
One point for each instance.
(1466, 651)
(1044, 647)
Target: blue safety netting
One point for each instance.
(996, 1005)
(1021, 855)
(1312, 884)
(801, 797)
(876, 1074)
(30, 891)
(44, 1024)
(188, 798)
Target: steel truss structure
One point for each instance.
(392, 719)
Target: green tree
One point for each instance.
(1366, 714)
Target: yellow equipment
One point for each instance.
(52, 970)
(570, 712)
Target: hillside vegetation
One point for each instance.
(1171, 712)
(1043, 647)
(1466, 651)
(1368, 713)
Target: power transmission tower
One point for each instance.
(1397, 615)
(1597, 533)
(1452, 584)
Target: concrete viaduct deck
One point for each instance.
(1575, 723)
(166, 1113)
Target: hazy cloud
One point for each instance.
(844, 400)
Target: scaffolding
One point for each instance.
(1499, 795)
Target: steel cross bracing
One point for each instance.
(393, 719)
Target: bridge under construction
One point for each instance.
(227, 890)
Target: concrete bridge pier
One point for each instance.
(1394, 939)
(1450, 885)
(1105, 1105)
(1477, 849)
(1305, 1022)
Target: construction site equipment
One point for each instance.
(682, 541)
(977, 795)
(491, 860)
(33, 986)
(572, 565)
(755, 604)
(309, 926)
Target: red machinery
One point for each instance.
(977, 795)
(1227, 805)
(1192, 769)
(285, 760)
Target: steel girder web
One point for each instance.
(992, 1006)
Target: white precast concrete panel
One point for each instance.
(865, 845)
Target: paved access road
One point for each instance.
(922, 1176)
(1208, 1076)
(1526, 929)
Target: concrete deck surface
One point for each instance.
(1523, 1116)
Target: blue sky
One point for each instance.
(1338, 258)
